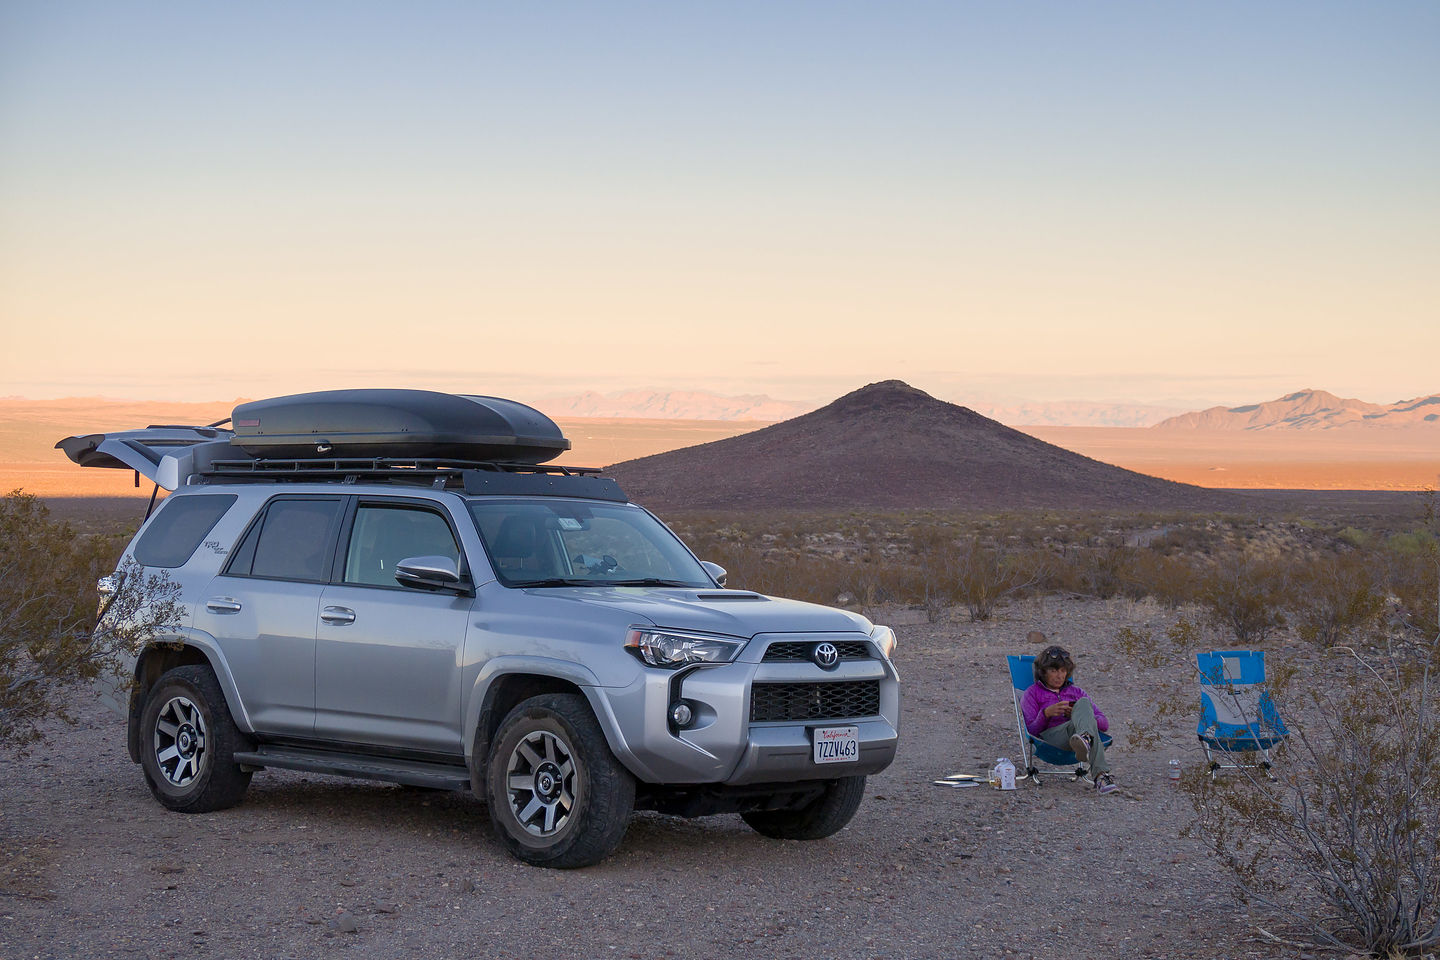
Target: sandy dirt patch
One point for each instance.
(92, 866)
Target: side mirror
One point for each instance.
(430, 573)
(717, 572)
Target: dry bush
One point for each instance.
(980, 577)
(1171, 581)
(53, 630)
(1104, 571)
(1333, 596)
(1188, 537)
(1350, 824)
(1412, 562)
(1245, 595)
(1343, 840)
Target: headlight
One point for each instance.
(884, 638)
(662, 648)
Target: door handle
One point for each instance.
(337, 615)
(222, 605)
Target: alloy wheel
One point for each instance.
(180, 741)
(540, 783)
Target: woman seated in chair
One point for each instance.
(1061, 714)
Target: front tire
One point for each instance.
(825, 815)
(188, 741)
(557, 795)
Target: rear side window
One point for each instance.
(179, 527)
(291, 542)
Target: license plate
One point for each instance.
(837, 744)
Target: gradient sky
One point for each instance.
(1179, 204)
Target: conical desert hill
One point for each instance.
(889, 446)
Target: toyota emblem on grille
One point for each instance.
(826, 655)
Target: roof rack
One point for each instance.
(404, 469)
(474, 477)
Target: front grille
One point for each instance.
(794, 650)
(814, 701)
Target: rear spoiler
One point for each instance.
(164, 455)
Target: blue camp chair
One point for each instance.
(1238, 720)
(1032, 748)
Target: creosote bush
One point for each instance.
(1245, 595)
(1352, 820)
(1343, 839)
(54, 629)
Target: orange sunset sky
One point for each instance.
(1172, 204)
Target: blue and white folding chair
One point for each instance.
(1032, 748)
(1238, 720)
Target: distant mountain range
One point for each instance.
(1075, 413)
(1311, 410)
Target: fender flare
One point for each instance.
(206, 645)
(566, 670)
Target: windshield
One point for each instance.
(557, 543)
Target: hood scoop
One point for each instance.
(731, 595)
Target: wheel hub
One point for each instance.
(547, 781)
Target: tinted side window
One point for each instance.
(179, 527)
(291, 542)
(384, 535)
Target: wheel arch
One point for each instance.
(501, 686)
(162, 656)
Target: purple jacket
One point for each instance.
(1038, 696)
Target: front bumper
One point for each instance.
(723, 744)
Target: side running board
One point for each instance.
(414, 773)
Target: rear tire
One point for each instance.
(188, 742)
(827, 814)
(557, 795)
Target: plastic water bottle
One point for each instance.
(1005, 773)
(1174, 770)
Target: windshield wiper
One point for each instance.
(649, 582)
(559, 582)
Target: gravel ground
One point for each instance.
(310, 866)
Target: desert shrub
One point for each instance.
(1333, 596)
(1349, 826)
(1187, 538)
(1412, 561)
(1104, 571)
(930, 586)
(979, 576)
(1342, 839)
(1170, 580)
(54, 630)
(1354, 537)
(1245, 595)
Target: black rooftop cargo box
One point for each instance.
(398, 424)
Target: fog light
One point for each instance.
(681, 714)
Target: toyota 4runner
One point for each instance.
(390, 585)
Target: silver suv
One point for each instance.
(514, 629)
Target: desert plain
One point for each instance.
(313, 866)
